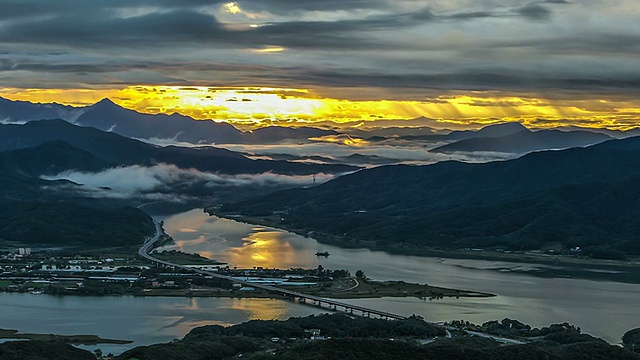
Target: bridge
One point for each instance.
(145, 252)
(331, 304)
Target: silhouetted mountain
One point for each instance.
(362, 159)
(119, 150)
(50, 158)
(392, 132)
(525, 141)
(108, 116)
(275, 134)
(618, 134)
(522, 203)
(490, 131)
(23, 111)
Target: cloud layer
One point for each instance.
(402, 46)
(168, 181)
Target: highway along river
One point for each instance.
(535, 294)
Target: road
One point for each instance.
(146, 248)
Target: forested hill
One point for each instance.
(70, 224)
(341, 337)
(575, 197)
(119, 150)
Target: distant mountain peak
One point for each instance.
(106, 103)
(497, 130)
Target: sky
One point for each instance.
(350, 62)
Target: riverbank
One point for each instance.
(181, 258)
(346, 288)
(625, 271)
(67, 339)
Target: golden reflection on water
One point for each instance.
(238, 245)
(262, 249)
(261, 309)
(181, 245)
(186, 222)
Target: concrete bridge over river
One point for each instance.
(145, 252)
(146, 248)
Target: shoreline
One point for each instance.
(68, 339)
(366, 289)
(473, 254)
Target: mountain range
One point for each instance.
(515, 138)
(90, 148)
(108, 116)
(175, 128)
(23, 111)
(34, 210)
(576, 197)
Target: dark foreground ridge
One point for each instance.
(339, 336)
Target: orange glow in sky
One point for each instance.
(262, 106)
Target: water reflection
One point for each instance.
(237, 244)
(260, 309)
(143, 320)
(532, 293)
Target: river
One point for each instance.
(527, 292)
(605, 309)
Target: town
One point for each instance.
(66, 273)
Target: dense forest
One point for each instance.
(67, 223)
(582, 197)
(42, 350)
(341, 337)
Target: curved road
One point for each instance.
(146, 248)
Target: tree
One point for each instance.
(360, 275)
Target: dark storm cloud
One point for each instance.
(351, 78)
(98, 29)
(596, 44)
(22, 9)
(468, 80)
(462, 45)
(102, 25)
(280, 7)
(283, 7)
(16, 9)
(180, 27)
(534, 11)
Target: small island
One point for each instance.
(67, 339)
